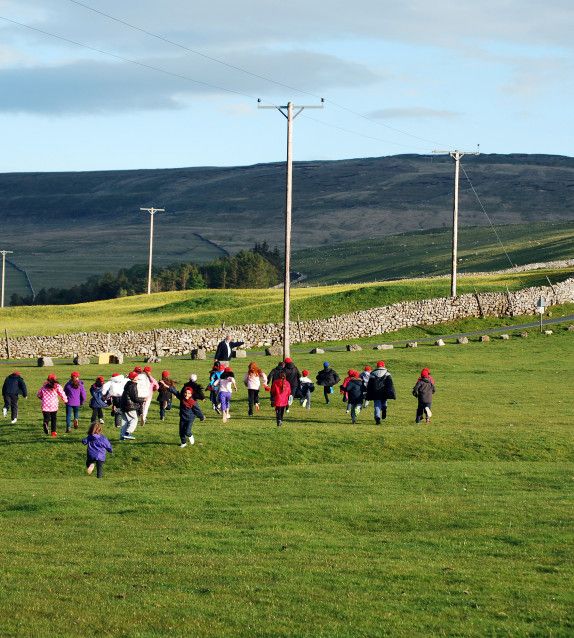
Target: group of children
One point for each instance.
(130, 398)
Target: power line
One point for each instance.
(487, 217)
(247, 71)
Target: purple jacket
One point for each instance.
(98, 445)
(76, 396)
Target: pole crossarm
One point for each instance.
(288, 112)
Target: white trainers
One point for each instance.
(304, 403)
(5, 412)
(183, 445)
(191, 440)
(428, 412)
(13, 421)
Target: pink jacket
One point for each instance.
(280, 396)
(49, 397)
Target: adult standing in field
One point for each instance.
(380, 389)
(253, 379)
(225, 349)
(76, 393)
(50, 394)
(328, 378)
(13, 386)
(130, 405)
(280, 393)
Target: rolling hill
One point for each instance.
(64, 227)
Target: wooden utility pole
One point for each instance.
(456, 155)
(152, 211)
(4, 253)
(288, 112)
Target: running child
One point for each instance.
(98, 446)
(423, 391)
(76, 393)
(306, 386)
(226, 384)
(280, 393)
(97, 402)
(50, 394)
(13, 386)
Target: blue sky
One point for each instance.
(443, 74)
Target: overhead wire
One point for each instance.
(236, 67)
(487, 215)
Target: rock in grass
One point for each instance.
(384, 346)
(570, 328)
(548, 332)
(484, 338)
(439, 342)
(240, 354)
(505, 337)
(198, 354)
(353, 347)
(151, 359)
(276, 350)
(524, 334)
(116, 357)
(412, 344)
(81, 360)
(317, 351)
(462, 340)
(45, 362)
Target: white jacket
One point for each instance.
(115, 386)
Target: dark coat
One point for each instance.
(221, 352)
(97, 400)
(14, 384)
(292, 375)
(129, 400)
(355, 392)
(327, 377)
(424, 389)
(274, 374)
(380, 386)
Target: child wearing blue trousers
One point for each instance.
(188, 410)
(98, 446)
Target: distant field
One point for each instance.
(319, 529)
(429, 253)
(201, 308)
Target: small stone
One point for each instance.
(151, 359)
(485, 339)
(45, 362)
(571, 328)
(412, 344)
(276, 350)
(317, 351)
(524, 335)
(439, 342)
(353, 347)
(462, 340)
(240, 354)
(384, 346)
(116, 357)
(199, 354)
(505, 337)
(548, 332)
(81, 360)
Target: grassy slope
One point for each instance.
(201, 308)
(415, 254)
(320, 529)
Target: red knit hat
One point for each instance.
(305, 373)
(138, 370)
(52, 377)
(16, 373)
(165, 374)
(147, 369)
(221, 367)
(380, 364)
(425, 372)
(132, 375)
(288, 360)
(227, 370)
(354, 374)
(75, 374)
(116, 374)
(367, 368)
(100, 378)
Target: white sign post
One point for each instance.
(540, 307)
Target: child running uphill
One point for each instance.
(306, 386)
(98, 446)
(13, 386)
(423, 391)
(76, 393)
(49, 394)
(253, 379)
(163, 394)
(97, 402)
(327, 377)
(280, 393)
(226, 384)
(354, 394)
(186, 414)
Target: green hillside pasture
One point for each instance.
(204, 308)
(460, 528)
(429, 252)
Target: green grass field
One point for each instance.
(460, 528)
(416, 254)
(211, 308)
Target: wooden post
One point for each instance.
(7, 344)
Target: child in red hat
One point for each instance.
(97, 402)
(423, 391)
(306, 386)
(50, 394)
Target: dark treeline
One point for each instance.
(255, 268)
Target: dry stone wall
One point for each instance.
(363, 323)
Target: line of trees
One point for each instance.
(256, 268)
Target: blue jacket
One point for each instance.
(98, 445)
(14, 384)
(97, 400)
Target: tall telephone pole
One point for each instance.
(288, 112)
(152, 211)
(456, 155)
(4, 253)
